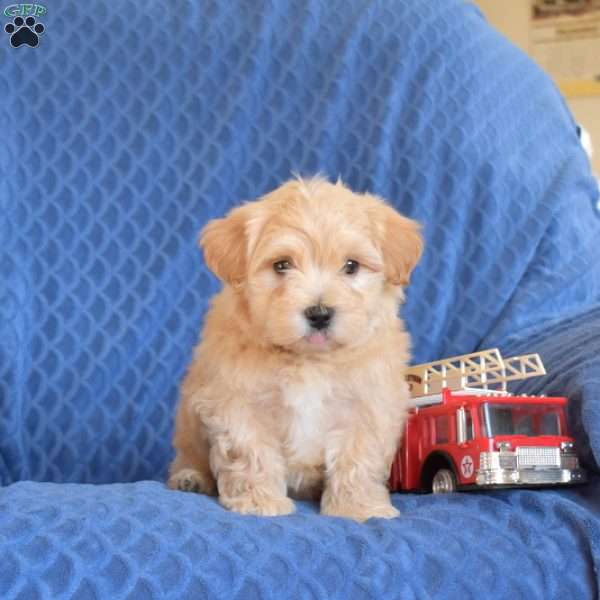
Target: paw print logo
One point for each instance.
(24, 31)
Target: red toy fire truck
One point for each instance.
(465, 431)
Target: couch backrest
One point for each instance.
(131, 124)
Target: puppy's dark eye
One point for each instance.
(351, 267)
(281, 266)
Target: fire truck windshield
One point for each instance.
(520, 419)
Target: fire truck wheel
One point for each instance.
(444, 482)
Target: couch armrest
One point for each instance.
(570, 350)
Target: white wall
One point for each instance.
(511, 17)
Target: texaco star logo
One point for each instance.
(466, 466)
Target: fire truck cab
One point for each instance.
(459, 437)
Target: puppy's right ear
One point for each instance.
(400, 240)
(225, 243)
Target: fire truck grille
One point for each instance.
(538, 457)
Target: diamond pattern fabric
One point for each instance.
(131, 125)
(141, 541)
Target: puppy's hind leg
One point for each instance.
(190, 471)
(188, 477)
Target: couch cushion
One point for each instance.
(144, 542)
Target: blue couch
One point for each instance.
(127, 128)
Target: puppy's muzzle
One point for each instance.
(319, 316)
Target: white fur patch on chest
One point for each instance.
(307, 424)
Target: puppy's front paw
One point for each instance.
(265, 506)
(190, 480)
(358, 511)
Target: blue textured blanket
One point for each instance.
(142, 541)
(125, 129)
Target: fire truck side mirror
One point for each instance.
(461, 426)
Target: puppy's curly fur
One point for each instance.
(275, 404)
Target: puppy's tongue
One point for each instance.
(317, 338)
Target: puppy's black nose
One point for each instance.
(319, 316)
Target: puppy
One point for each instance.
(297, 386)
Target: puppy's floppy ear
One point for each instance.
(401, 243)
(226, 244)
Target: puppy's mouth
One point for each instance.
(317, 338)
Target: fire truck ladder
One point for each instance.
(485, 370)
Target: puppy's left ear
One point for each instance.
(227, 243)
(401, 244)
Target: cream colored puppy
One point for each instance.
(297, 386)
